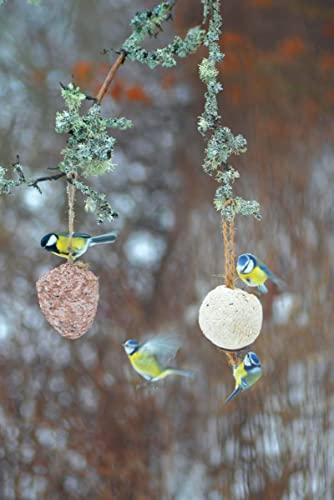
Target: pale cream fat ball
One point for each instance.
(230, 319)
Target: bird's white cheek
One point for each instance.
(249, 268)
(128, 349)
(51, 241)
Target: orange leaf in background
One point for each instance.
(326, 62)
(230, 38)
(231, 63)
(168, 80)
(96, 88)
(261, 3)
(104, 67)
(328, 29)
(137, 93)
(311, 109)
(83, 72)
(239, 53)
(330, 97)
(291, 47)
(117, 90)
(38, 75)
(234, 92)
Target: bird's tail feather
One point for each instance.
(103, 238)
(278, 282)
(174, 371)
(234, 393)
(262, 288)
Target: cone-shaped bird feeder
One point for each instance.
(68, 295)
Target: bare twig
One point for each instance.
(71, 195)
(110, 76)
(35, 182)
(100, 95)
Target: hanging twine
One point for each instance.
(229, 254)
(70, 197)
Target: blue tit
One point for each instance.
(246, 374)
(254, 273)
(58, 244)
(151, 358)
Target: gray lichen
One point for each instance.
(148, 23)
(165, 56)
(7, 185)
(221, 142)
(89, 148)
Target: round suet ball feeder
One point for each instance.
(68, 297)
(230, 318)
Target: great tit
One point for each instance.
(58, 243)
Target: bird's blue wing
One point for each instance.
(81, 235)
(163, 346)
(275, 279)
(77, 235)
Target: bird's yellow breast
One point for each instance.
(145, 364)
(78, 244)
(239, 373)
(257, 276)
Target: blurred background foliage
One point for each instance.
(72, 424)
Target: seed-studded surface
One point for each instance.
(230, 319)
(68, 297)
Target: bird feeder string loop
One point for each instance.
(70, 197)
(228, 236)
(229, 253)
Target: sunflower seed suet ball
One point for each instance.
(230, 319)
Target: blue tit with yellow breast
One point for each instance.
(150, 359)
(58, 243)
(254, 273)
(246, 374)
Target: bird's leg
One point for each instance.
(82, 265)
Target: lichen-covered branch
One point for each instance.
(180, 47)
(221, 142)
(148, 23)
(96, 202)
(89, 147)
(7, 185)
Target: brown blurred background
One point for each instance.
(72, 424)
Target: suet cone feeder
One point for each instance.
(68, 296)
(230, 318)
